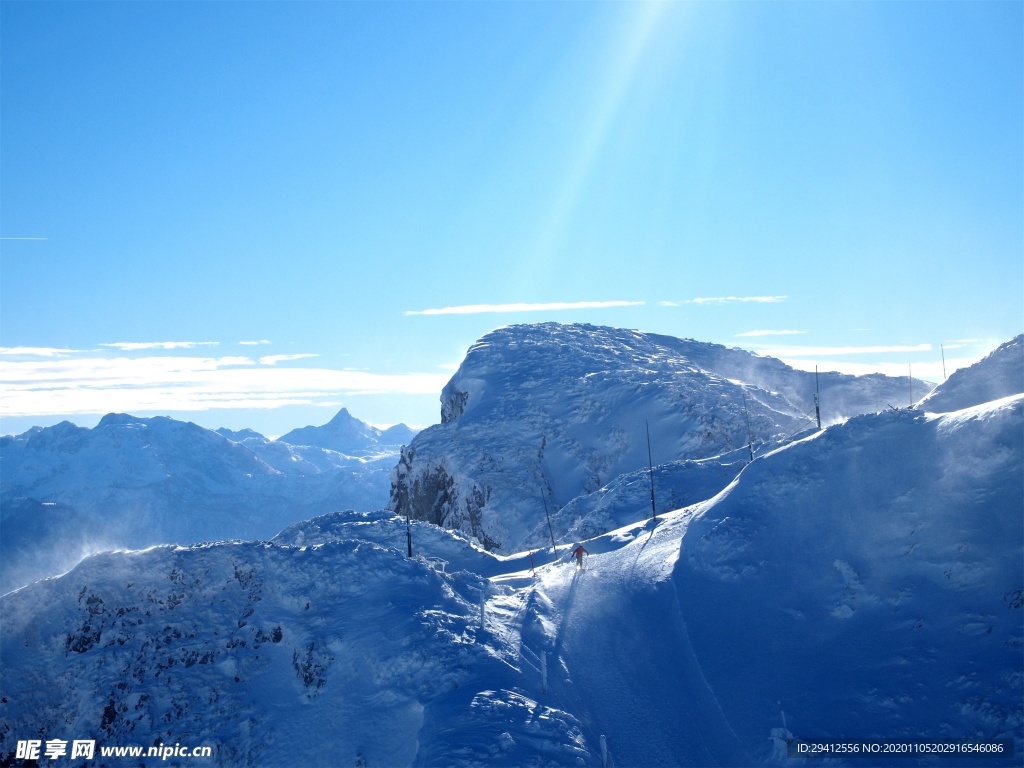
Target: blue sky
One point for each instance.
(250, 214)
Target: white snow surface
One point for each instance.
(1000, 374)
(67, 491)
(545, 413)
(862, 582)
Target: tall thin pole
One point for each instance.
(910, 372)
(746, 418)
(408, 533)
(551, 530)
(943, 362)
(650, 464)
(817, 407)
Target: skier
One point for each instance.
(579, 552)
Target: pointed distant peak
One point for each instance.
(342, 417)
(343, 433)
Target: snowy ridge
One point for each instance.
(842, 395)
(132, 482)
(1000, 374)
(546, 413)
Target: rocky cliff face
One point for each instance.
(541, 414)
(437, 498)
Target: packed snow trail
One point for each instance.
(625, 665)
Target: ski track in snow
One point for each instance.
(621, 614)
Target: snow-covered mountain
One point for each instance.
(862, 582)
(348, 435)
(1000, 374)
(133, 482)
(542, 414)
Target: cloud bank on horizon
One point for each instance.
(61, 382)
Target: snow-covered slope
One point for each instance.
(1000, 374)
(627, 498)
(342, 652)
(545, 413)
(842, 395)
(862, 583)
(890, 546)
(132, 482)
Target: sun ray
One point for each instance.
(620, 76)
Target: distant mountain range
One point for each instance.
(133, 482)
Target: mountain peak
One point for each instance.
(570, 406)
(343, 417)
(346, 434)
(118, 420)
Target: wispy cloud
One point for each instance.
(476, 309)
(135, 346)
(768, 333)
(783, 352)
(88, 383)
(960, 343)
(275, 359)
(36, 351)
(737, 300)
(725, 300)
(261, 342)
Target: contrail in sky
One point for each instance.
(475, 309)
